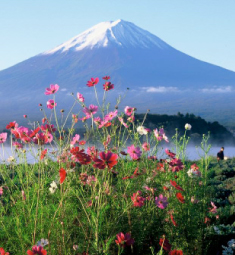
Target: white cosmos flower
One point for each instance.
(142, 130)
(53, 187)
(188, 126)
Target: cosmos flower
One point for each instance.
(187, 126)
(134, 152)
(91, 110)
(137, 199)
(3, 137)
(129, 110)
(161, 201)
(52, 90)
(80, 97)
(108, 159)
(124, 239)
(142, 130)
(108, 86)
(180, 197)
(92, 82)
(51, 104)
(37, 250)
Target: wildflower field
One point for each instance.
(106, 192)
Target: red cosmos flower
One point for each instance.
(165, 244)
(92, 82)
(106, 78)
(82, 142)
(34, 132)
(108, 86)
(108, 159)
(37, 250)
(76, 152)
(174, 184)
(176, 252)
(2, 252)
(62, 175)
(137, 199)
(180, 197)
(172, 220)
(84, 159)
(124, 239)
(170, 154)
(43, 154)
(12, 125)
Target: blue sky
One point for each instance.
(204, 29)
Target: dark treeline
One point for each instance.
(218, 134)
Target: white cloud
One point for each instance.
(160, 89)
(63, 89)
(218, 90)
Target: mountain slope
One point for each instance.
(134, 58)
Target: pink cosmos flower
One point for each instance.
(92, 82)
(3, 137)
(97, 120)
(92, 151)
(108, 86)
(131, 118)
(52, 90)
(110, 115)
(91, 110)
(80, 97)
(51, 104)
(18, 145)
(134, 152)
(146, 146)
(42, 138)
(129, 110)
(160, 135)
(124, 240)
(122, 122)
(161, 201)
(170, 154)
(1, 191)
(137, 200)
(75, 139)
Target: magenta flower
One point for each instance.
(80, 97)
(91, 110)
(108, 86)
(92, 82)
(134, 152)
(51, 104)
(52, 90)
(124, 240)
(97, 120)
(75, 139)
(161, 201)
(3, 137)
(110, 116)
(129, 110)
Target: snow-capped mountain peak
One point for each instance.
(119, 33)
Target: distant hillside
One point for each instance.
(218, 134)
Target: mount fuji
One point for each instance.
(160, 77)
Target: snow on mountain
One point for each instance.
(118, 33)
